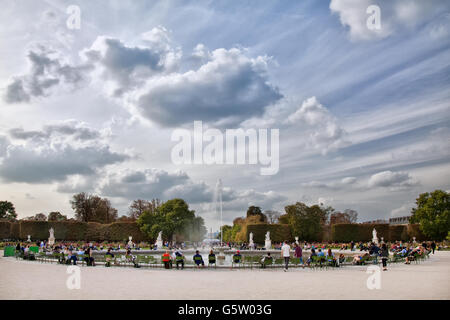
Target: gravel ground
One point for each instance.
(34, 280)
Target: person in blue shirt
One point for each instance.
(320, 253)
(198, 259)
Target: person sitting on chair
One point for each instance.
(167, 260)
(179, 259)
(266, 259)
(211, 258)
(131, 258)
(89, 259)
(108, 257)
(198, 259)
(237, 258)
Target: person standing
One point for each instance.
(286, 253)
(298, 254)
(433, 246)
(384, 253)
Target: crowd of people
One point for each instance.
(70, 252)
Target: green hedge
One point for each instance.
(363, 232)
(71, 230)
(358, 232)
(278, 232)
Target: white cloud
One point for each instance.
(404, 210)
(325, 134)
(392, 179)
(395, 15)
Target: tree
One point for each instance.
(37, 217)
(433, 214)
(137, 207)
(7, 211)
(305, 222)
(352, 215)
(348, 216)
(172, 217)
(56, 216)
(89, 207)
(256, 211)
(272, 216)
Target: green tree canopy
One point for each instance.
(7, 211)
(433, 214)
(305, 222)
(172, 217)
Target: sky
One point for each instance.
(93, 92)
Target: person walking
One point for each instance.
(286, 254)
(384, 253)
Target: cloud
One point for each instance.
(404, 210)
(323, 129)
(227, 89)
(47, 70)
(4, 142)
(391, 179)
(68, 128)
(395, 15)
(126, 67)
(55, 153)
(345, 182)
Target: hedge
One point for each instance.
(5, 229)
(363, 232)
(358, 232)
(71, 230)
(278, 232)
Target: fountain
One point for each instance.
(374, 236)
(268, 242)
(51, 239)
(251, 244)
(159, 242)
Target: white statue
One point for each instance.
(296, 240)
(268, 242)
(159, 242)
(51, 239)
(29, 240)
(251, 244)
(130, 243)
(374, 236)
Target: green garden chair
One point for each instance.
(268, 262)
(212, 261)
(236, 260)
(295, 261)
(278, 262)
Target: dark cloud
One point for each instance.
(68, 128)
(47, 70)
(229, 88)
(49, 164)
